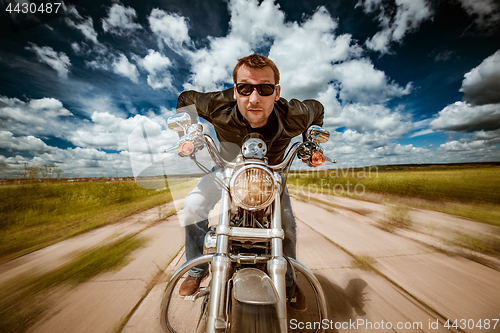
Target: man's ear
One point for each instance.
(234, 91)
(278, 90)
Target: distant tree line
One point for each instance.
(34, 171)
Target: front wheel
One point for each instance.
(250, 318)
(173, 309)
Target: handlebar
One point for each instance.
(184, 149)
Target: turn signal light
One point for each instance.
(186, 148)
(318, 159)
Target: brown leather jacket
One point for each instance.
(220, 109)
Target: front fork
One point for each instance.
(277, 266)
(221, 265)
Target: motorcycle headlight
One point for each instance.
(253, 187)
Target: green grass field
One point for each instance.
(35, 214)
(472, 192)
(38, 214)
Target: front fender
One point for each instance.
(253, 286)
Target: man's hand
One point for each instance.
(309, 164)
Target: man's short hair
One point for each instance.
(257, 61)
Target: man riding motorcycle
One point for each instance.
(252, 105)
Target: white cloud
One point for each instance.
(102, 131)
(25, 143)
(51, 107)
(421, 124)
(396, 149)
(370, 6)
(352, 138)
(361, 82)
(70, 161)
(213, 67)
(482, 84)
(171, 28)
(120, 20)
(108, 131)
(463, 117)
(89, 162)
(81, 162)
(76, 48)
(463, 145)
(210, 67)
(86, 27)
(123, 67)
(45, 117)
(314, 63)
(351, 148)
(330, 58)
(407, 17)
(58, 61)
(253, 26)
(443, 56)
(253, 22)
(98, 64)
(477, 114)
(486, 13)
(157, 66)
(422, 132)
(488, 135)
(105, 131)
(421, 128)
(36, 117)
(373, 119)
(155, 62)
(380, 41)
(100, 103)
(307, 54)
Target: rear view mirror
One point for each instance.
(180, 122)
(317, 134)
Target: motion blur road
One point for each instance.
(407, 286)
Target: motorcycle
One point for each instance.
(247, 291)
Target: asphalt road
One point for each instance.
(408, 287)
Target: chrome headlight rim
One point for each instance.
(237, 200)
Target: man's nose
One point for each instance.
(254, 97)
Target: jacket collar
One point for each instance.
(237, 118)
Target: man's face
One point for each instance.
(256, 108)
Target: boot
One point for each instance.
(191, 285)
(300, 303)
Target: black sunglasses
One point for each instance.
(264, 89)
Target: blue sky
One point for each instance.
(406, 81)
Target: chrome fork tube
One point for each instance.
(220, 267)
(277, 265)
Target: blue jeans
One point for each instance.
(202, 200)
